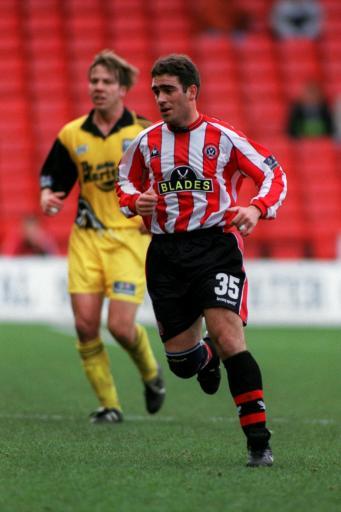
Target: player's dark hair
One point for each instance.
(178, 65)
(125, 73)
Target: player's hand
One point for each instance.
(245, 219)
(146, 203)
(51, 202)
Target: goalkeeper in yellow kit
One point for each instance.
(106, 250)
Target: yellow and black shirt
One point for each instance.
(82, 152)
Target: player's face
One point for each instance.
(105, 91)
(176, 105)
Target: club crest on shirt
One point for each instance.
(211, 151)
(125, 144)
(184, 179)
(83, 148)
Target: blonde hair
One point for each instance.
(126, 73)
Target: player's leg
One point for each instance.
(125, 283)
(188, 354)
(134, 339)
(245, 381)
(209, 375)
(87, 314)
(178, 313)
(86, 288)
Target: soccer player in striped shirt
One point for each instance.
(183, 175)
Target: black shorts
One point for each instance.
(189, 272)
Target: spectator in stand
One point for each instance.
(32, 240)
(310, 115)
(296, 18)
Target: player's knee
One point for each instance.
(122, 332)
(87, 329)
(186, 364)
(230, 345)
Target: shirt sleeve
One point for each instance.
(131, 178)
(259, 164)
(59, 172)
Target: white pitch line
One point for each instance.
(59, 417)
(164, 419)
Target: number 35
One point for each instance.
(227, 285)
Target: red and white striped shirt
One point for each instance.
(197, 174)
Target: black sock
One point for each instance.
(245, 381)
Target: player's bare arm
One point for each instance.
(51, 202)
(146, 203)
(246, 218)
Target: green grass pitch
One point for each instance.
(189, 457)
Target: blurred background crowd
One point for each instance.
(270, 68)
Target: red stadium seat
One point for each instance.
(74, 7)
(333, 25)
(37, 6)
(9, 24)
(168, 9)
(212, 49)
(131, 48)
(117, 9)
(89, 23)
(277, 236)
(256, 47)
(284, 250)
(11, 206)
(265, 118)
(42, 25)
(314, 156)
(9, 7)
(126, 27)
(182, 43)
(325, 235)
(298, 62)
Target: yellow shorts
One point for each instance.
(111, 262)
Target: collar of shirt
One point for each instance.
(125, 120)
(183, 129)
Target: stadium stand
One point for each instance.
(45, 49)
